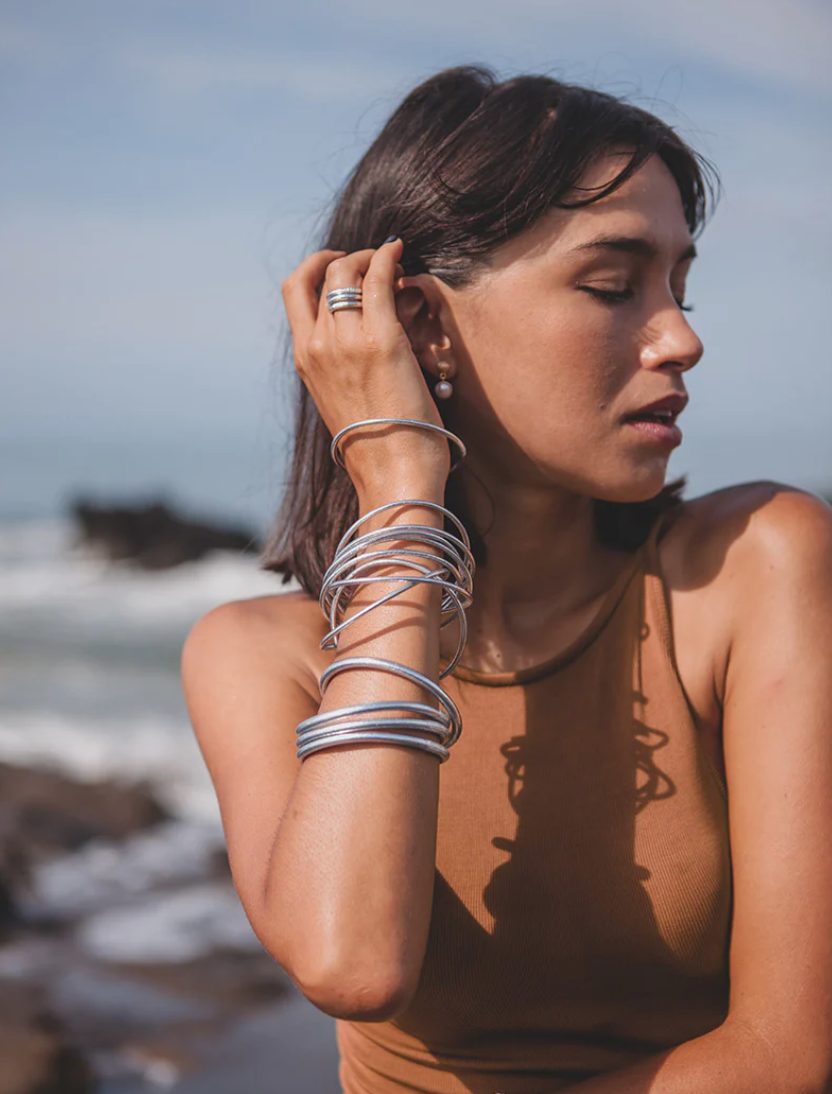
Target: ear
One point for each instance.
(419, 307)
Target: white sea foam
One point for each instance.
(108, 874)
(90, 677)
(163, 752)
(40, 572)
(170, 926)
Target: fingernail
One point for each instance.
(390, 239)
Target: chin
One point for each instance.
(642, 484)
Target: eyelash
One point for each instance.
(619, 297)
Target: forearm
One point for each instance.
(732, 1059)
(352, 868)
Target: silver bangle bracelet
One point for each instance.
(335, 451)
(358, 554)
(439, 715)
(336, 729)
(373, 736)
(333, 724)
(431, 578)
(371, 560)
(345, 663)
(457, 593)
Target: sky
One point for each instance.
(168, 162)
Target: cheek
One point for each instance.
(568, 366)
(561, 358)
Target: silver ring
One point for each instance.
(346, 306)
(343, 299)
(348, 290)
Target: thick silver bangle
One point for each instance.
(439, 715)
(338, 727)
(344, 664)
(374, 736)
(335, 723)
(331, 728)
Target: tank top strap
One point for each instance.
(657, 530)
(656, 589)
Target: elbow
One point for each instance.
(373, 989)
(357, 994)
(798, 1057)
(355, 979)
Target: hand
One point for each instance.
(359, 364)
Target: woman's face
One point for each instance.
(563, 337)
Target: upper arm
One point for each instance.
(246, 691)
(777, 734)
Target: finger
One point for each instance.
(300, 296)
(344, 272)
(378, 296)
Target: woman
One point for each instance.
(622, 879)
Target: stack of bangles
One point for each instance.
(416, 725)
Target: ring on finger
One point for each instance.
(343, 299)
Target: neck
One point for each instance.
(544, 570)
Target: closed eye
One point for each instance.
(620, 297)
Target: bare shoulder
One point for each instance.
(283, 630)
(746, 530)
(249, 676)
(248, 679)
(720, 552)
(759, 513)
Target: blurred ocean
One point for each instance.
(89, 664)
(89, 657)
(89, 650)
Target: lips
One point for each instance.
(664, 410)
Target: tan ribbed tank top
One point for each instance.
(581, 911)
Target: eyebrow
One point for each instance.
(636, 245)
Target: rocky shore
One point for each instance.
(153, 536)
(120, 972)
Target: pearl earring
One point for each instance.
(443, 389)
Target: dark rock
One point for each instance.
(153, 536)
(219, 866)
(36, 1054)
(9, 918)
(45, 812)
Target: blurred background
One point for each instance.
(166, 165)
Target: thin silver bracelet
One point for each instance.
(335, 451)
(458, 588)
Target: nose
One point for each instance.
(671, 341)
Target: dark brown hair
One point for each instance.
(464, 164)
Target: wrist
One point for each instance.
(402, 490)
(419, 464)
